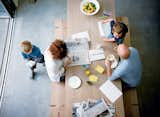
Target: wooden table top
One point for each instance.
(78, 22)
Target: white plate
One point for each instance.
(74, 82)
(94, 2)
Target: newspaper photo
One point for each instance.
(78, 51)
(93, 108)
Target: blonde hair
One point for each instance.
(26, 46)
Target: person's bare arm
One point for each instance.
(106, 20)
(108, 39)
(108, 66)
(67, 62)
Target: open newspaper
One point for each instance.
(93, 108)
(78, 51)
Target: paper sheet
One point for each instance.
(110, 91)
(78, 51)
(104, 28)
(97, 54)
(81, 35)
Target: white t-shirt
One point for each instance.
(55, 68)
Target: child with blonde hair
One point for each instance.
(32, 55)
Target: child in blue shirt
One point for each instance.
(32, 55)
(118, 32)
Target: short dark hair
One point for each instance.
(58, 49)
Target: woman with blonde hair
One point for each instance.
(56, 60)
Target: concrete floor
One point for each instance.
(24, 97)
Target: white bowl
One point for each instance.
(92, 1)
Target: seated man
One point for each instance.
(129, 68)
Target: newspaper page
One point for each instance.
(93, 108)
(78, 51)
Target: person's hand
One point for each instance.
(115, 48)
(106, 20)
(69, 61)
(108, 63)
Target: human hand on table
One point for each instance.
(108, 66)
(106, 20)
(69, 61)
(108, 63)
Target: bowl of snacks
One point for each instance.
(89, 7)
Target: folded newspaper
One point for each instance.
(93, 108)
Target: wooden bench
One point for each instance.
(130, 96)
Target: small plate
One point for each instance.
(74, 82)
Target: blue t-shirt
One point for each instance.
(117, 40)
(35, 54)
(129, 70)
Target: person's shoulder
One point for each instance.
(35, 47)
(133, 49)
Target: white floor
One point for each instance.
(22, 96)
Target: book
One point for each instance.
(104, 28)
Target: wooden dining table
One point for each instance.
(78, 22)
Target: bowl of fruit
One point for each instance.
(89, 7)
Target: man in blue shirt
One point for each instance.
(129, 69)
(32, 55)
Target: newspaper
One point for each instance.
(93, 108)
(96, 54)
(84, 34)
(78, 51)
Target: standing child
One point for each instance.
(32, 55)
(118, 31)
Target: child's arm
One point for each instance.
(106, 20)
(108, 39)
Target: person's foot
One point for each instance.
(32, 75)
(43, 64)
